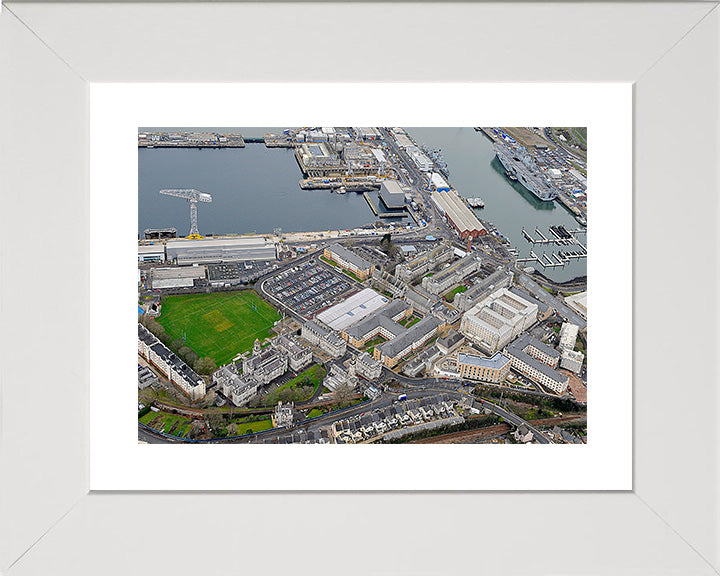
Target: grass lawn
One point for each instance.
(450, 295)
(313, 376)
(165, 422)
(220, 325)
(407, 322)
(250, 427)
(315, 412)
(328, 261)
(375, 342)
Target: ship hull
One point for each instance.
(517, 175)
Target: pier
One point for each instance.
(560, 236)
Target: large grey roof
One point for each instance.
(516, 351)
(413, 334)
(526, 340)
(496, 362)
(350, 256)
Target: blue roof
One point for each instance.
(429, 237)
(140, 311)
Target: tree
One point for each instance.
(232, 429)
(177, 344)
(343, 394)
(215, 419)
(205, 365)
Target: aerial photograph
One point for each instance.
(346, 285)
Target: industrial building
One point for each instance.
(458, 214)
(392, 194)
(474, 367)
(184, 277)
(423, 163)
(348, 260)
(536, 360)
(353, 309)
(392, 352)
(451, 276)
(211, 250)
(439, 183)
(326, 340)
(497, 319)
(174, 369)
(360, 159)
(368, 133)
(318, 159)
(151, 253)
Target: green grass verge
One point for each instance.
(219, 325)
(313, 376)
(451, 294)
(250, 427)
(315, 412)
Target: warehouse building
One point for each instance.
(176, 277)
(348, 260)
(151, 253)
(439, 183)
(353, 309)
(496, 320)
(474, 367)
(527, 356)
(211, 250)
(392, 194)
(174, 369)
(458, 214)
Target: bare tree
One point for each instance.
(343, 394)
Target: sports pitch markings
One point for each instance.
(220, 325)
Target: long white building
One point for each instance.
(537, 361)
(174, 369)
(208, 250)
(494, 321)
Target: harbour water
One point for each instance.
(255, 190)
(475, 171)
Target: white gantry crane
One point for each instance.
(193, 197)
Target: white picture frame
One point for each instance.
(50, 523)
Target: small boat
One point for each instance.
(341, 190)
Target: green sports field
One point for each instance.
(220, 325)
